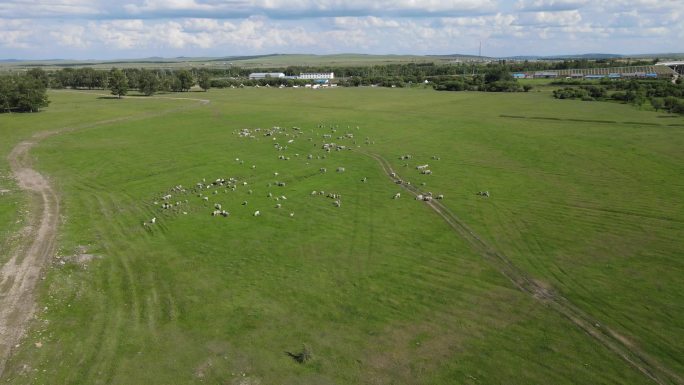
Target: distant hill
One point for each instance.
(285, 60)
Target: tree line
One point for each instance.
(120, 81)
(660, 94)
(23, 93)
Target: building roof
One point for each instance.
(271, 74)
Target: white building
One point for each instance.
(265, 75)
(317, 75)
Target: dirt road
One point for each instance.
(19, 277)
(602, 334)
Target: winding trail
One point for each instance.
(20, 275)
(604, 335)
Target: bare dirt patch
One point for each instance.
(82, 257)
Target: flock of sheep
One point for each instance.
(177, 199)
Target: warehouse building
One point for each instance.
(266, 75)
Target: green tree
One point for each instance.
(6, 89)
(22, 93)
(118, 83)
(205, 81)
(185, 80)
(657, 103)
(40, 75)
(148, 82)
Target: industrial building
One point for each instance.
(316, 75)
(657, 71)
(266, 75)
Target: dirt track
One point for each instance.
(22, 272)
(19, 276)
(648, 366)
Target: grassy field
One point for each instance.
(263, 61)
(585, 197)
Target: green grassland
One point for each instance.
(585, 197)
(261, 61)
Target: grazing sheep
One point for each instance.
(205, 198)
(340, 169)
(397, 196)
(257, 213)
(278, 206)
(440, 196)
(422, 166)
(337, 203)
(426, 172)
(324, 170)
(291, 215)
(393, 174)
(153, 220)
(364, 180)
(419, 197)
(217, 206)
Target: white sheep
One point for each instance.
(257, 213)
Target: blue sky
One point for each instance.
(100, 29)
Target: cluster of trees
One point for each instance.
(541, 65)
(662, 94)
(497, 79)
(23, 93)
(120, 81)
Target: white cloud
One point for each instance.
(80, 28)
(49, 8)
(550, 19)
(307, 8)
(550, 5)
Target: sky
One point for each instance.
(101, 29)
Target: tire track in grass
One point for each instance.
(604, 335)
(20, 275)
